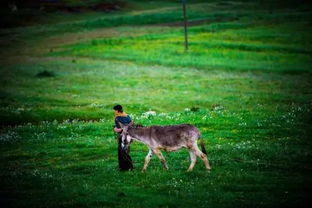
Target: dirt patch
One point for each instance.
(72, 38)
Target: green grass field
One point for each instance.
(245, 83)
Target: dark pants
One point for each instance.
(124, 159)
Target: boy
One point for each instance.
(124, 159)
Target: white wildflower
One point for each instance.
(148, 114)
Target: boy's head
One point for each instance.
(118, 108)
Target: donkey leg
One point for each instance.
(147, 159)
(202, 156)
(162, 159)
(193, 160)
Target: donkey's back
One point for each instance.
(173, 137)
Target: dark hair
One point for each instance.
(118, 108)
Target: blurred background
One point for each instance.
(245, 82)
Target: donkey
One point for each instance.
(168, 138)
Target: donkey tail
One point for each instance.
(202, 144)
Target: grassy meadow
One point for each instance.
(245, 82)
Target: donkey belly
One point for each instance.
(171, 149)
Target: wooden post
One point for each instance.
(185, 25)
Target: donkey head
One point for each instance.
(125, 137)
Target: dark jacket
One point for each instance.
(122, 119)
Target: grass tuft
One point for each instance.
(45, 74)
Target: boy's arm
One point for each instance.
(117, 127)
(117, 130)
